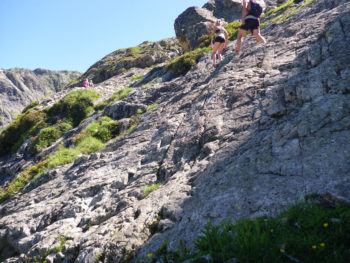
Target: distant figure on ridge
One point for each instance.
(86, 83)
(90, 83)
(220, 40)
(250, 21)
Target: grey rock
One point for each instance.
(260, 130)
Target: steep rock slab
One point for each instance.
(219, 136)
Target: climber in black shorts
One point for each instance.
(250, 21)
(220, 40)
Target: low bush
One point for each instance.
(26, 124)
(103, 129)
(48, 136)
(310, 231)
(74, 107)
(182, 64)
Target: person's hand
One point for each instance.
(211, 45)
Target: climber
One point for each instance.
(220, 40)
(251, 13)
(86, 83)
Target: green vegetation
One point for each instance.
(118, 95)
(136, 77)
(41, 259)
(74, 107)
(71, 110)
(286, 13)
(91, 139)
(30, 106)
(47, 136)
(151, 107)
(232, 30)
(182, 64)
(103, 129)
(150, 188)
(27, 124)
(310, 231)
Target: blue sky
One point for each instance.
(74, 34)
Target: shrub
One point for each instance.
(30, 106)
(26, 124)
(103, 129)
(48, 136)
(232, 30)
(304, 232)
(182, 64)
(74, 107)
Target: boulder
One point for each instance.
(192, 24)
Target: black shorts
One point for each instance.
(250, 24)
(220, 39)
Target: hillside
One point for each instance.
(138, 165)
(19, 87)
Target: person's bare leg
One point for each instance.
(241, 34)
(258, 37)
(221, 48)
(215, 49)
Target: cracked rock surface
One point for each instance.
(261, 129)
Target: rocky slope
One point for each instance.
(19, 87)
(261, 130)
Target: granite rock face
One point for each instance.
(19, 87)
(261, 129)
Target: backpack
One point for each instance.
(256, 9)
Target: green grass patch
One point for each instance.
(182, 64)
(48, 136)
(150, 188)
(103, 129)
(151, 107)
(232, 30)
(26, 124)
(304, 232)
(136, 77)
(118, 95)
(74, 107)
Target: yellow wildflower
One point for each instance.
(282, 250)
(322, 244)
(149, 255)
(325, 224)
(271, 230)
(314, 247)
(265, 220)
(237, 204)
(239, 208)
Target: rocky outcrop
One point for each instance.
(19, 87)
(193, 22)
(147, 54)
(228, 10)
(262, 130)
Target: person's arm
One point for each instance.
(244, 10)
(226, 38)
